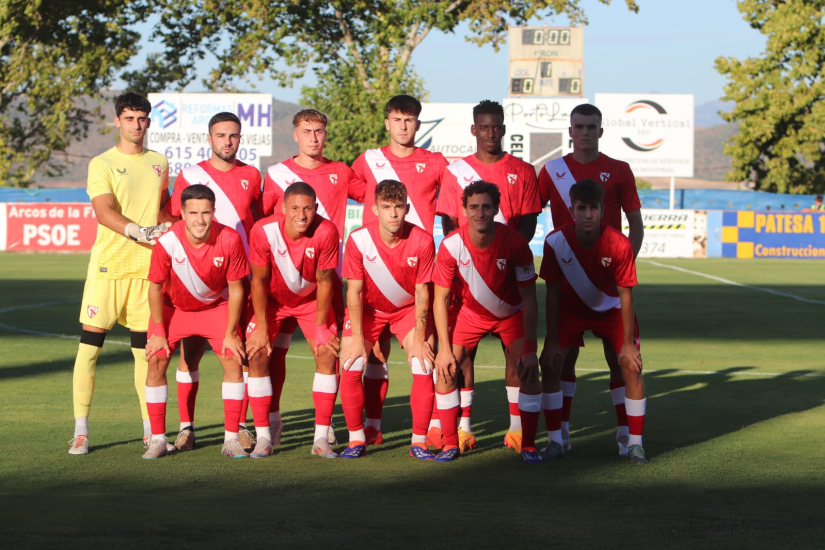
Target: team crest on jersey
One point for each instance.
(501, 263)
(245, 184)
(412, 261)
(333, 178)
(158, 171)
(91, 311)
(568, 261)
(218, 261)
(560, 176)
(511, 178)
(604, 176)
(370, 260)
(419, 167)
(310, 252)
(606, 261)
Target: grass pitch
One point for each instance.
(735, 433)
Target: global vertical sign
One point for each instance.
(652, 132)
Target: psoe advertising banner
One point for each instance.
(668, 233)
(792, 235)
(180, 124)
(651, 132)
(48, 226)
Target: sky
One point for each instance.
(668, 47)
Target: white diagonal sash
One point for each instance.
(382, 169)
(478, 287)
(225, 211)
(589, 293)
(561, 177)
(284, 177)
(186, 272)
(378, 270)
(465, 175)
(283, 261)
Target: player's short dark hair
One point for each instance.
(404, 104)
(488, 107)
(818, 198)
(197, 191)
(300, 188)
(479, 187)
(309, 115)
(588, 192)
(224, 117)
(133, 102)
(586, 109)
(391, 191)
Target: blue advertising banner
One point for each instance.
(798, 235)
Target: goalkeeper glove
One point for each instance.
(146, 235)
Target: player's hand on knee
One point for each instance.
(528, 369)
(422, 351)
(233, 343)
(326, 336)
(256, 342)
(157, 343)
(630, 357)
(353, 351)
(445, 365)
(551, 358)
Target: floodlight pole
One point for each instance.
(672, 192)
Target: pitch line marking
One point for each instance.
(734, 283)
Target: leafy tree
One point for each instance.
(360, 49)
(779, 98)
(53, 56)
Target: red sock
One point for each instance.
(277, 373)
(636, 410)
(466, 401)
(232, 393)
(188, 384)
(448, 411)
(375, 390)
(529, 407)
(568, 388)
(156, 404)
(617, 393)
(352, 396)
(552, 410)
(260, 398)
(324, 392)
(421, 402)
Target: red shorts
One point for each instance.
(207, 323)
(468, 328)
(289, 326)
(608, 327)
(374, 323)
(278, 316)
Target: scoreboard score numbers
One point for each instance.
(546, 61)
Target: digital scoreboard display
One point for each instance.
(546, 61)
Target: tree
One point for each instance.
(360, 49)
(779, 98)
(53, 56)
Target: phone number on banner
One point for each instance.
(183, 157)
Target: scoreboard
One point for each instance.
(546, 61)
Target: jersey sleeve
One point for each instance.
(356, 186)
(550, 270)
(160, 265)
(173, 206)
(445, 267)
(544, 183)
(328, 253)
(257, 197)
(629, 194)
(359, 167)
(238, 265)
(447, 203)
(270, 197)
(260, 253)
(100, 179)
(625, 272)
(531, 203)
(426, 262)
(523, 262)
(353, 261)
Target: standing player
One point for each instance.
(196, 289)
(334, 182)
(388, 265)
(237, 188)
(127, 186)
(590, 272)
(497, 281)
(555, 180)
(519, 208)
(294, 255)
(420, 172)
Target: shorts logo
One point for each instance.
(181, 260)
(604, 176)
(281, 253)
(91, 311)
(465, 264)
(347, 325)
(606, 261)
(250, 328)
(560, 176)
(245, 184)
(511, 178)
(333, 178)
(371, 260)
(218, 261)
(310, 252)
(568, 261)
(501, 263)
(419, 167)
(157, 169)
(412, 261)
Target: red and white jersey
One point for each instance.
(389, 274)
(334, 182)
(589, 277)
(420, 173)
(236, 193)
(293, 263)
(197, 278)
(559, 175)
(489, 278)
(515, 179)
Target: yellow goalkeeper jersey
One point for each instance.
(135, 183)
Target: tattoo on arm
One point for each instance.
(324, 274)
(423, 317)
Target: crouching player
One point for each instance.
(498, 290)
(196, 289)
(388, 265)
(294, 254)
(589, 270)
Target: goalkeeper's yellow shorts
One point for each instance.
(110, 301)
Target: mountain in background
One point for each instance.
(707, 114)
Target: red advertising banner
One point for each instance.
(41, 226)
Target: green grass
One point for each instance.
(735, 432)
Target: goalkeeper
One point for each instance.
(127, 185)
